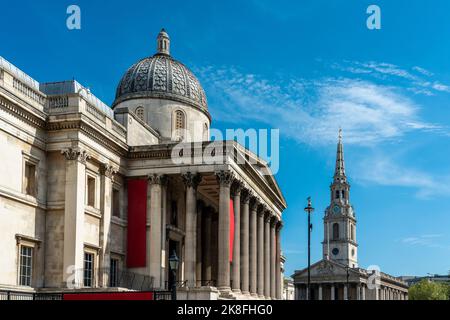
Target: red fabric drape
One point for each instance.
(137, 220)
(231, 229)
(109, 296)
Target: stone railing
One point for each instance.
(28, 92)
(58, 102)
(95, 112)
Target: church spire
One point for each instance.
(339, 172)
(163, 42)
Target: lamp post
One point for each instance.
(309, 209)
(173, 263)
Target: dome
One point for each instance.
(162, 77)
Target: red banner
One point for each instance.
(109, 296)
(137, 221)
(231, 229)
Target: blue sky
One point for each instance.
(305, 67)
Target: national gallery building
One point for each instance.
(91, 196)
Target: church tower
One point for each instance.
(339, 222)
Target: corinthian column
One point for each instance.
(236, 262)
(267, 255)
(273, 261)
(207, 261)
(107, 172)
(245, 197)
(279, 280)
(191, 181)
(154, 237)
(74, 195)
(253, 247)
(260, 252)
(225, 178)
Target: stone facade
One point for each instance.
(67, 159)
(337, 276)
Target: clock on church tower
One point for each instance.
(339, 222)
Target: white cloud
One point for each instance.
(386, 171)
(427, 240)
(312, 111)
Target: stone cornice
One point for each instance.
(21, 113)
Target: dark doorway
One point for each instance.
(173, 246)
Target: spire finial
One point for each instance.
(340, 167)
(163, 42)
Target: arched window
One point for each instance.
(180, 121)
(335, 231)
(337, 194)
(343, 194)
(140, 113)
(352, 232)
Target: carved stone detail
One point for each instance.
(108, 170)
(155, 178)
(236, 188)
(76, 154)
(225, 178)
(192, 179)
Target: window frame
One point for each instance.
(93, 176)
(92, 271)
(28, 159)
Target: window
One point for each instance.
(205, 132)
(91, 191)
(116, 203)
(30, 179)
(343, 194)
(337, 194)
(88, 274)
(114, 273)
(140, 113)
(179, 120)
(335, 231)
(352, 230)
(25, 266)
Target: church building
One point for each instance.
(98, 197)
(337, 276)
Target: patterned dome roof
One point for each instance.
(161, 76)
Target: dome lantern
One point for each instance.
(163, 42)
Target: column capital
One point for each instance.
(108, 170)
(236, 188)
(253, 202)
(245, 196)
(225, 178)
(267, 216)
(261, 209)
(76, 154)
(280, 225)
(273, 220)
(191, 180)
(155, 178)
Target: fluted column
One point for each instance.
(199, 244)
(236, 261)
(267, 255)
(207, 261)
(154, 233)
(245, 258)
(253, 205)
(75, 185)
(107, 172)
(225, 178)
(273, 261)
(279, 280)
(260, 273)
(191, 181)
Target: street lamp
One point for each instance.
(309, 209)
(173, 264)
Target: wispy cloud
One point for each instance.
(386, 171)
(427, 240)
(312, 111)
(417, 79)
